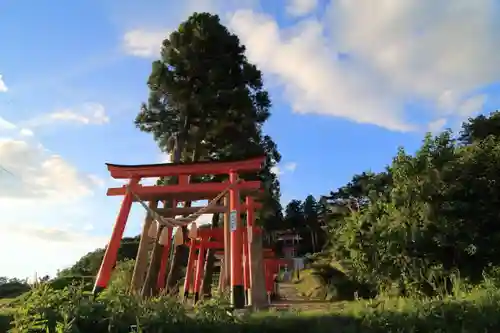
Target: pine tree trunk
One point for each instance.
(313, 242)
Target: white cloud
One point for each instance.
(291, 166)
(276, 170)
(29, 170)
(165, 158)
(88, 227)
(471, 106)
(86, 114)
(3, 86)
(204, 219)
(365, 60)
(43, 250)
(288, 167)
(436, 125)
(47, 235)
(301, 7)
(41, 196)
(26, 132)
(6, 125)
(96, 180)
(144, 43)
(38, 173)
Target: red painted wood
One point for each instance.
(109, 260)
(206, 188)
(168, 169)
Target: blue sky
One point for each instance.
(350, 82)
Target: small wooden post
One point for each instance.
(221, 277)
(141, 260)
(189, 268)
(258, 286)
(200, 265)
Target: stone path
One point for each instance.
(290, 299)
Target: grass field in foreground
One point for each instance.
(472, 312)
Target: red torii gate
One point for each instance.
(195, 270)
(185, 191)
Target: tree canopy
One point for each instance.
(207, 102)
(428, 218)
(205, 93)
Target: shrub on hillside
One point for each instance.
(89, 264)
(13, 288)
(439, 220)
(73, 310)
(65, 281)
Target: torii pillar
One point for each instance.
(226, 277)
(109, 260)
(237, 288)
(257, 297)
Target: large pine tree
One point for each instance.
(208, 102)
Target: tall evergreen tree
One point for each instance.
(208, 102)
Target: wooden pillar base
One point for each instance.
(141, 260)
(257, 293)
(238, 296)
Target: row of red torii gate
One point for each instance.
(246, 268)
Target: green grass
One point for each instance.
(473, 312)
(7, 308)
(476, 311)
(327, 283)
(310, 285)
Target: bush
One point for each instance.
(72, 310)
(13, 289)
(66, 281)
(435, 220)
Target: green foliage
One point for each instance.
(305, 218)
(207, 101)
(474, 313)
(71, 310)
(432, 223)
(88, 265)
(87, 282)
(213, 311)
(10, 288)
(122, 275)
(479, 128)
